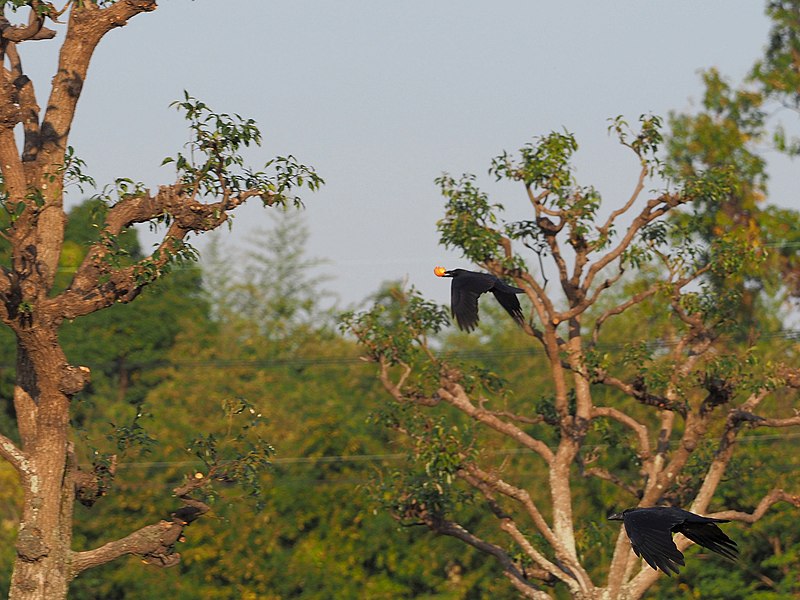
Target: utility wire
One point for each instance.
(398, 456)
(316, 361)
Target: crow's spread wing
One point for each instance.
(708, 535)
(509, 301)
(651, 539)
(464, 293)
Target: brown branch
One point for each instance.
(759, 421)
(573, 574)
(87, 293)
(28, 111)
(634, 196)
(395, 388)
(773, 497)
(694, 321)
(563, 273)
(638, 391)
(34, 30)
(550, 231)
(737, 417)
(639, 429)
(545, 571)
(525, 589)
(718, 465)
(455, 395)
(15, 456)
(652, 210)
(619, 309)
(484, 481)
(695, 429)
(88, 23)
(592, 298)
(510, 569)
(606, 475)
(154, 543)
(539, 207)
(515, 417)
(576, 586)
(540, 300)
(10, 164)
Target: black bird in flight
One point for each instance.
(650, 531)
(467, 286)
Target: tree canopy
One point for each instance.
(221, 419)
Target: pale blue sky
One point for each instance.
(382, 97)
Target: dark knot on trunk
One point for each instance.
(73, 379)
(30, 546)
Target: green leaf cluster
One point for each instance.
(215, 166)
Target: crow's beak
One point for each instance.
(615, 517)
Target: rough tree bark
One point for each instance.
(32, 192)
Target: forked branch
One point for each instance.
(155, 544)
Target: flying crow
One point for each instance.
(650, 531)
(468, 285)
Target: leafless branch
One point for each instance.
(619, 309)
(510, 527)
(15, 456)
(509, 568)
(773, 497)
(394, 388)
(639, 392)
(639, 429)
(606, 475)
(479, 478)
(455, 395)
(88, 24)
(759, 421)
(634, 196)
(505, 414)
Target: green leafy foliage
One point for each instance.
(543, 163)
(645, 142)
(313, 525)
(392, 329)
(215, 166)
(750, 246)
(777, 70)
(241, 455)
(470, 222)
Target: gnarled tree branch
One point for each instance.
(154, 543)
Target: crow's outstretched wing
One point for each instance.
(509, 301)
(707, 534)
(464, 293)
(651, 539)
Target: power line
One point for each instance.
(319, 361)
(398, 456)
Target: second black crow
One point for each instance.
(467, 286)
(650, 531)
